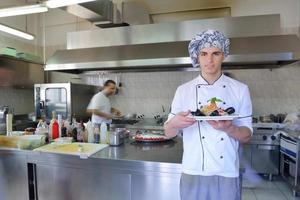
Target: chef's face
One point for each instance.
(110, 89)
(210, 60)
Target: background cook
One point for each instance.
(100, 106)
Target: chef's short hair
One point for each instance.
(109, 82)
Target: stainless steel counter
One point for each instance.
(132, 171)
(165, 152)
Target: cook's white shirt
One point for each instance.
(101, 103)
(208, 151)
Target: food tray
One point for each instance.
(152, 140)
(215, 118)
(83, 150)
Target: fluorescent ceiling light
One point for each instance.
(16, 32)
(62, 3)
(22, 10)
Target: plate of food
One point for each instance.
(212, 112)
(149, 136)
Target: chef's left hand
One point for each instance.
(118, 113)
(222, 125)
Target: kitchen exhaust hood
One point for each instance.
(255, 42)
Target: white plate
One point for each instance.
(216, 118)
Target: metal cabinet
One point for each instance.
(263, 159)
(155, 187)
(14, 181)
(61, 183)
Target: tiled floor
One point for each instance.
(268, 190)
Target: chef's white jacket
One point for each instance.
(101, 103)
(208, 151)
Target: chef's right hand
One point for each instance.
(181, 120)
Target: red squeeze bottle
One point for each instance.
(55, 130)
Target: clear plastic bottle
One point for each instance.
(79, 132)
(90, 131)
(40, 124)
(60, 123)
(103, 133)
(96, 133)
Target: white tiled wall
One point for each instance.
(273, 91)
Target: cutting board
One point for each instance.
(83, 150)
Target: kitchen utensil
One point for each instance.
(130, 116)
(115, 138)
(265, 118)
(280, 117)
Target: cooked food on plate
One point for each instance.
(211, 109)
(150, 137)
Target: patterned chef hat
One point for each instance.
(208, 38)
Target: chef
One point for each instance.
(100, 106)
(210, 163)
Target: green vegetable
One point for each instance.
(214, 100)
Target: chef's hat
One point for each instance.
(208, 38)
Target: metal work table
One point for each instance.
(164, 152)
(130, 171)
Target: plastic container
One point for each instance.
(103, 133)
(30, 142)
(63, 140)
(42, 129)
